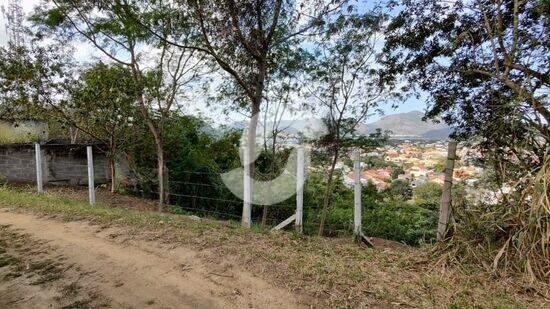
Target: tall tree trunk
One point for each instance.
(166, 185)
(251, 144)
(160, 160)
(161, 173)
(273, 172)
(253, 126)
(73, 133)
(264, 215)
(144, 109)
(111, 156)
(328, 192)
(112, 169)
(158, 145)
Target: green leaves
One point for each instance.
(102, 101)
(53, 18)
(31, 79)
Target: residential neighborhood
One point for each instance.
(417, 162)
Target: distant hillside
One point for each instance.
(409, 125)
(403, 125)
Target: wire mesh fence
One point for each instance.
(203, 193)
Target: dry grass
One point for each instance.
(510, 238)
(533, 238)
(332, 272)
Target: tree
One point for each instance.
(485, 66)
(32, 80)
(195, 154)
(102, 104)
(486, 69)
(35, 83)
(13, 15)
(112, 28)
(427, 195)
(346, 87)
(281, 88)
(260, 32)
(400, 190)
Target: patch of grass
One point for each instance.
(15, 247)
(7, 260)
(79, 304)
(47, 271)
(334, 272)
(99, 213)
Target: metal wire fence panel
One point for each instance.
(204, 193)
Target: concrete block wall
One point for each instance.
(61, 164)
(17, 164)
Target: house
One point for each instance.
(418, 181)
(418, 171)
(406, 176)
(438, 178)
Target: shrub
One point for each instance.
(511, 235)
(399, 190)
(392, 219)
(400, 221)
(427, 195)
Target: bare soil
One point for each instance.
(56, 251)
(47, 263)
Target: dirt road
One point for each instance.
(46, 263)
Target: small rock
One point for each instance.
(195, 218)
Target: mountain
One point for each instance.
(308, 126)
(408, 125)
(403, 126)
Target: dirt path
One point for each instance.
(53, 264)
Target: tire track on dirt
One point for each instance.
(142, 275)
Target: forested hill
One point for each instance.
(409, 125)
(402, 125)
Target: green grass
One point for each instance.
(333, 272)
(99, 213)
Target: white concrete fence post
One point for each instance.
(91, 186)
(300, 189)
(247, 190)
(357, 194)
(39, 180)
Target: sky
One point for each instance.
(85, 53)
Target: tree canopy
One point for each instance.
(484, 64)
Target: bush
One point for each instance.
(340, 214)
(399, 221)
(399, 190)
(509, 236)
(393, 219)
(428, 195)
(339, 221)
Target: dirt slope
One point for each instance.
(74, 264)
